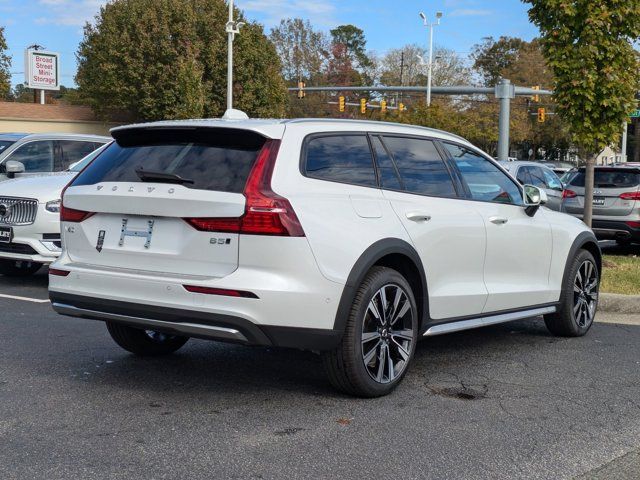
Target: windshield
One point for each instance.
(4, 144)
(78, 166)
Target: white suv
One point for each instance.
(350, 238)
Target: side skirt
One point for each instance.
(457, 326)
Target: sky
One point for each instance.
(57, 24)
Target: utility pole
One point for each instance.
(426, 23)
(232, 28)
(624, 142)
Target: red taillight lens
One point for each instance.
(630, 196)
(219, 291)
(71, 215)
(569, 194)
(58, 273)
(633, 224)
(266, 212)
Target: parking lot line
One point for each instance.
(24, 299)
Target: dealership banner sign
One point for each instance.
(42, 71)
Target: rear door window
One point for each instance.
(70, 151)
(343, 158)
(523, 176)
(217, 159)
(387, 171)
(422, 169)
(552, 180)
(537, 177)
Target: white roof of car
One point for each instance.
(274, 128)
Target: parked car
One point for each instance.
(616, 202)
(541, 176)
(23, 155)
(30, 220)
(350, 238)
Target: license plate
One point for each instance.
(6, 234)
(598, 201)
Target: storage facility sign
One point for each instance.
(42, 70)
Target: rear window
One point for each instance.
(213, 159)
(613, 178)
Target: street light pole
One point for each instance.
(426, 23)
(232, 28)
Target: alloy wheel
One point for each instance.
(387, 333)
(585, 294)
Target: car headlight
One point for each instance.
(53, 206)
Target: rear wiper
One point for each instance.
(161, 177)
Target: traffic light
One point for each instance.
(383, 106)
(541, 115)
(341, 103)
(301, 92)
(401, 107)
(536, 97)
(363, 105)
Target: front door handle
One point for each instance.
(418, 217)
(498, 220)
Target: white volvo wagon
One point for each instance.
(350, 238)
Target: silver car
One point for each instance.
(616, 202)
(23, 154)
(538, 175)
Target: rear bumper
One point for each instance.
(614, 230)
(191, 323)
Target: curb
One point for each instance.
(616, 303)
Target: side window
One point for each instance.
(340, 158)
(552, 180)
(36, 156)
(70, 151)
(523, 176)
(386, 169)
(421, 167)
(537, 177)
(485, 180)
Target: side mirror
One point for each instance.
(534, 197)
(13, 167)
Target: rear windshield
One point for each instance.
(212, 159)
(613, 178)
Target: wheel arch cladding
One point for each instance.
(392, 253)
(585, 241)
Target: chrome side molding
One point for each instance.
(485, 321)
(187, 329)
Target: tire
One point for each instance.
(389, 354)
(579, 298)
(145, 342)
(18, 268)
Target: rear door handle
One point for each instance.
(418, 217)
(498, 220)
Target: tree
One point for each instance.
(354, 43)
(303, 51)
(167, 59)
(589, 46)
(5, 64)
(492, 57)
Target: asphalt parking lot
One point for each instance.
(508, 401)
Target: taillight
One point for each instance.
(266, 212)
(633, 224)
(569, 194)
(58, 273)
(630, 196)
(71, 215)
(219, 291)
